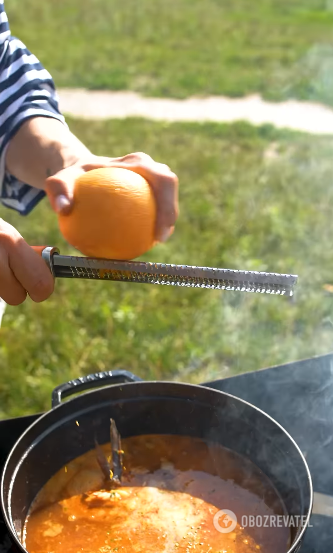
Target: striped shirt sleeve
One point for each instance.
(26, 90)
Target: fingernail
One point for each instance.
(165, 234)
(62, 203)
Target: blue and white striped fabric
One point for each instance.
(26, 90)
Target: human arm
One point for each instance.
(38, 153)
(46, 155)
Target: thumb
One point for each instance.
(60, 189)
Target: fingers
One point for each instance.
(162, 180)
(31, 271)
(60, 188)
(22, 270)
(11, 291)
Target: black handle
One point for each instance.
(95, 380)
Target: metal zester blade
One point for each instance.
(63, 266)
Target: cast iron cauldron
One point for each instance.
(150, 408)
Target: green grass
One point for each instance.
(280, 48)
(250, 199)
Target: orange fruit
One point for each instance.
(113, 215)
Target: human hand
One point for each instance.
(163, 181)
(22, 270)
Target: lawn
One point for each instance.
(251, 198)
(178, 48)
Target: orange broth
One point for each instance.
(171, 489)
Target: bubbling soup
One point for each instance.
(171, 490)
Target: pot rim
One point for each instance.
(8, 519)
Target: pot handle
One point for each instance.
(95, 380)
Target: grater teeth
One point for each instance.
(242, 281)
